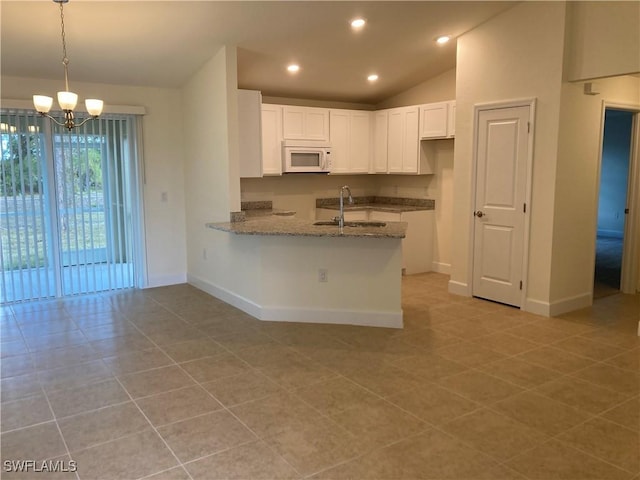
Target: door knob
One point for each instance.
(479, 214)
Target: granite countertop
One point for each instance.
(291, 226)
(380, 204)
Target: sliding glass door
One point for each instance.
(68, 203)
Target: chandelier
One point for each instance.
(67, 100)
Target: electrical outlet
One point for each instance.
(204, 253)
(323, 275)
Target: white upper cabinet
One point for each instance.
(271, 139)
(403, 141)
(350, 137)
(384, 141)
(380, 141)
(305, 123)
(437, 120)
(249, 133)
(451, 129)
(395, 136)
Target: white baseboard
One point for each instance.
(343, 317)
(569, 304)
(440, 267)
(164, 280)
(225, 295)
(391, 319)
(459, 288)
(564, 305)
(537, 307)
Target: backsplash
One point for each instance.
(299, 192)
(409, 202)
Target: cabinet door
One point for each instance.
(395, 140)
(293, 123)
(305, 123)
(411, 141)
(417, 246)
(339, 137)
(380, 144)
(360, 142)
(451, 130)
(249, 133)
(271, 139)
(434, 120)
(316, 124)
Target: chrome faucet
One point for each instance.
(341, 217)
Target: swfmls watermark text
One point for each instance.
(51, 466)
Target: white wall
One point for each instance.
(518, 54)
(212, 182)
(437, 89)
(163, 156)
(576, 190)
(603, 39)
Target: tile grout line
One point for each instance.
(64, 441)
(257, 437)
(153, 427)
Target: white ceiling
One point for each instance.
(162, 43)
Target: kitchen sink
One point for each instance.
(351, 224)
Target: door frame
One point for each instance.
(629, 282)
(477, 108)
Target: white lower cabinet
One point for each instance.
(417, 246)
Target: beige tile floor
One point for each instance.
(171, 383)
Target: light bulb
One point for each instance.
(443, 39)
(293, 68)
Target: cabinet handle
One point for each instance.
(479, 214)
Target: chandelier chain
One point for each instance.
(65, 59)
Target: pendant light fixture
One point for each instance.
(67, 100)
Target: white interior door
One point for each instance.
(501, 180)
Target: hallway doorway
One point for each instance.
(613, 201)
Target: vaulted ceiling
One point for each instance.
(162, 43)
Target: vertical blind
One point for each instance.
(67, 206)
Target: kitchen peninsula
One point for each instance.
(289, 269)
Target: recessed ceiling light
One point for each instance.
(358, 22)
(293, 68)
(373, 77)
(443, 39)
